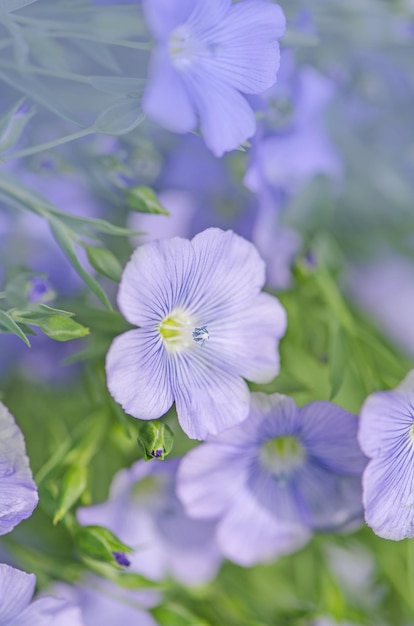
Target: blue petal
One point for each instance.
(18, 493)
(48, 611)
(329, 434)
(166, 99)
(16, 591)
(388, 493)
(249, 533)
(163, 16)
(226, 119)
(209, 477)
(138, 374)
(246, 53)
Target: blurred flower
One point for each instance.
(386, 437)
(16, 591)
(207, 56)
(385, 290)
(172, 289)
(293, 145)
(280, 475)
(144, 512)
(18, 493)
(105, 603)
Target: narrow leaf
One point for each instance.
(144, 200)
(11, 327)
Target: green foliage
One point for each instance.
(144, 200)
(156, 439)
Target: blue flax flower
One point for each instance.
(208, 55)
(16, 591)
(144, 512)
(280, 475)
(386, 435)
(18, 493)
(204, 326)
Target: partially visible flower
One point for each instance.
(18, 493)
(16, 591)
(104, 603)
(273, 480)
(173, 289)
(288, 152)
(386, 436)
(208, 54)
(385, 290)
(144, 512)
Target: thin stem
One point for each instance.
(137, 45)
(47, 72)
(48, 145)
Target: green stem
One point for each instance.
(49, 144)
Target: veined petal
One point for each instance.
(138, 374)
(247, 341)
(229, 271)
(18, 493)
(166, 99)
(163, 16)
(49, 611)
(208, 477)
(16, 591)
(249, 533)
(246, 52)
(386, 418)
(154, 280)
(208, 399)
(388, 494)
(226, 119)
(206, 15)
(329, 434)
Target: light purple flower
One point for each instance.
(208, 54)
(288, 154)
(280, 475)
(144, 512)
(16, 591)
(173, 288)
(104, 603)
(18, 493)
(386, 436)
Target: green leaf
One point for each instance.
(100, 544)
(105, 262)
(10, 326)
(173, 614)
(338, 358)
(119, 118)
(61, 328)
(13, 124)
(73, 485)
(144, 200)
(64, 239)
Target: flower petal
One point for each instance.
(329, 434)
(249, 533)
(166, 99)
(163, 16)
(16, 591)
(246, 52)
(49, 611)
(154, 279)
(388, 495)
(226, 119)
(138, 374)
(208, 478)
(18, 493)
(208, 399)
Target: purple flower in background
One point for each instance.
(385, 290)
(144, 512)
(173, 289)
(208, 54)
(18, 493)
(16, 591)
(104, 603)
(386, 437)
(290, 151)
(274, 479)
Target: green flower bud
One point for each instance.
(100, 544)
(157, 440)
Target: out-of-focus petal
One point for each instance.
(163, 16)
(16, 591)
